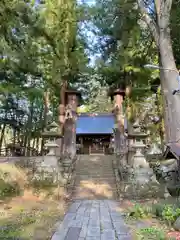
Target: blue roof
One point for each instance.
(98, 124)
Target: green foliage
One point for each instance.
(40, 47)
(125, 45)
(138, 212)
(167, 212)
(45, 184)
(151, 233)
(8, 189)
(170, 214)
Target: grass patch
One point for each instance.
(151, 233)
(166, 210)
(153, 219)
(12, 181)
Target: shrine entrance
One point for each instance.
(94, 144)
(94, 134)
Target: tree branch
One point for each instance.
(149, 21)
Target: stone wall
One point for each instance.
(35, 169)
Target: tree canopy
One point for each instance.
(44, 43)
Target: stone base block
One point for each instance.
(136, 191)
(140, 183)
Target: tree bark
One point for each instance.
(161, 33)
(169, 84)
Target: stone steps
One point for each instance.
(94, 178)
(95, 175)
(101, 178)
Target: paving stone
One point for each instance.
(117, 218)
(79, 217)
(92, 238)
(108, 235)
(105, 216)
(93, 231)
(60, 235)
(106, 225)
(85, 221)
(75, 223)
(87, 213)
(57, 236)
(122, 230)
(73, 233)
(119, 224)
(69, 216)
(81, 210)
(83, 232)
(74, 207)
(124, 237)
(92, 220)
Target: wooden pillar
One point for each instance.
(118, 97)
(71, 102)
(118, 108)
(61, 117)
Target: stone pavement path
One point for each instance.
(93, 220)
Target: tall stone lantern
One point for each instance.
(135, 138)
(72, 98)
(142, 180)
(139, 158)
(50, 160)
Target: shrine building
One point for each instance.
(94, 133)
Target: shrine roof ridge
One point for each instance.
(95, 114)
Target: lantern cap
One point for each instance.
(72, 91)
(53, 125)
(118, 91)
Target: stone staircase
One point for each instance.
(94, 178)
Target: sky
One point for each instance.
(91, 38)
(89, 2)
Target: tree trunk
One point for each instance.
(46, 108)
(2, 136)
(69, 138)
(159, 27)
(170, 83)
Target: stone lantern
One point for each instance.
(51, 162)
(139, 158)
(142, 181)
(143, 174)
(72, 98)
(135, 138)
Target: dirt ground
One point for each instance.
(30, 217)
(31, 213)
